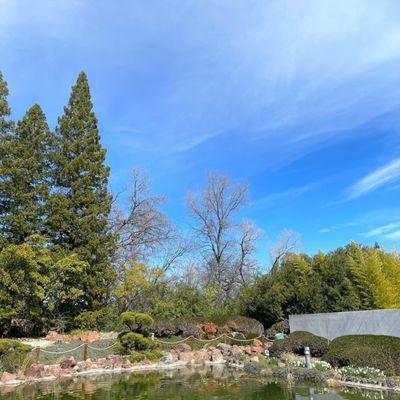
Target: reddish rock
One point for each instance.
(53, 370)
(257, 343)
(34, 371)
(70, 362)
(236, 350)
(201, 356)
(257, 349)
(7, 377)
(93, 337)
(187, 356)
(182, 347)
(247, 349)
(209, 329)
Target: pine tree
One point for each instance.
(25, 177)
(81, 204)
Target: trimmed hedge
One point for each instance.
(281, 326)
(14, 355)
(295, 343)
(382, 352)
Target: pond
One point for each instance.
(206, 383)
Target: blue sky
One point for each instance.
(299, 98)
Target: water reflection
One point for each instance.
(216, 382)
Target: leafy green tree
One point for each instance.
(25, 173)
(80, 206)
(22, 283)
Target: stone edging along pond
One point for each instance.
(181, 357)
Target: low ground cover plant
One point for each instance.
(365, 372)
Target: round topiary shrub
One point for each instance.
(295, 343)
(137, 337)
(281, 326)
(377, 351)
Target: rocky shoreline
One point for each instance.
(182, 356)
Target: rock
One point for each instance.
(333, 382)
(257, 349)
(225, 348)
(7, 377)
(201, 356)
(53, 370)
(236, 350)
(254, 359)
(257, 343)
(34, 371)
(70, 362)
(182, 348)
(216, 356)
(247, 349)
(210, 329)
(187, 356)
(93, 337)
(168, 358)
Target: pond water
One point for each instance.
(207, 383)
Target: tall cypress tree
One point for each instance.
(25, 177)
(80, 206)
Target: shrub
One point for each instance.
(137, 338)
(177, 327)
(14, 355)
(138, 322)
(295, 343)
(100, 320)
(381, 352)
(281, 326)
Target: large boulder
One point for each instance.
(70, 362)
(186, 356)
(224, 348)
(216, 356)
(201, 356)
(34, 371)
(7, 377)
(182, 348)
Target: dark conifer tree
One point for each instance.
(80, 206)
(25, 177)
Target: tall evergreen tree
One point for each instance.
(25, 177)
(81, 204)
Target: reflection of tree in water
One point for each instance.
(205, 383)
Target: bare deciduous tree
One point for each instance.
(142, 228)
(288, 242)
(227, 256)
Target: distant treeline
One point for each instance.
(355, 277)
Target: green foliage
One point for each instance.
(295, 343)
(138, 322)
(22, 283)
(25, 171)
(14, 355)
(381, 352)
(351, 278)
(80, 204)
(137, 339)
(100, 320)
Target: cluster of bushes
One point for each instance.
(379, 352)
(248, 327)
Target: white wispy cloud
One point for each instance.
(290, 193)
(389, 173)
(381, 230)
(395, 235)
